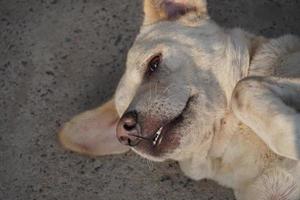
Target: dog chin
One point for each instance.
(167, 143)
(148, 156)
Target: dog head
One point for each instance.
(177, 82)
(170, 95)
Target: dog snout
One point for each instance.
(128, 129)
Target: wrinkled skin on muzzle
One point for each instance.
(158, 105)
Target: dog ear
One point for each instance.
(93, 132)
(157, 10)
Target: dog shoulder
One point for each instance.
(276, 57)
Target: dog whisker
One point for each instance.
(141, 137)
(167, 88)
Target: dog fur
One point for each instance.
(238, 94)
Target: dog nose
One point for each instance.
(128, 129)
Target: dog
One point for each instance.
(224, 103)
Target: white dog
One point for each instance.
(222, 102)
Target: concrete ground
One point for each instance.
(61, 57)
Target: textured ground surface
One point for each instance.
(61, 57)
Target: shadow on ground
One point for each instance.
(58, 58)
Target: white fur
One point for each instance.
(242, 128)
(237, 153)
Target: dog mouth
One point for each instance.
(162, 131)
(165, 139)
(156, 138)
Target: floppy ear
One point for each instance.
(270, 107)
(157, 10)
(93, 132)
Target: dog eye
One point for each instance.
(154, 64)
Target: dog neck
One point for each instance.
(236, 67)
(240, 50)
(224, 130)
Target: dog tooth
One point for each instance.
(159, 131)
(157, 134)
(155, 139)
(160, 139)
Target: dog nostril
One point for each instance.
(129, 127)
(128, 141)
(129, 121)
(125, 140)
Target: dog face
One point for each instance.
(170, 96)
(177, 84)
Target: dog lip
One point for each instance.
(169, 137)
(159, 134)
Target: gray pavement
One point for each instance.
(61, 57)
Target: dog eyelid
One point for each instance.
(154, 63)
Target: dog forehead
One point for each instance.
(172, 32)
(151, 40)
(163, 29)
(157, 37)
(168, 37)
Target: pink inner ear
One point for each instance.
(175, 9)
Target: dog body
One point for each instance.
(239, 159)
(223, 103)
